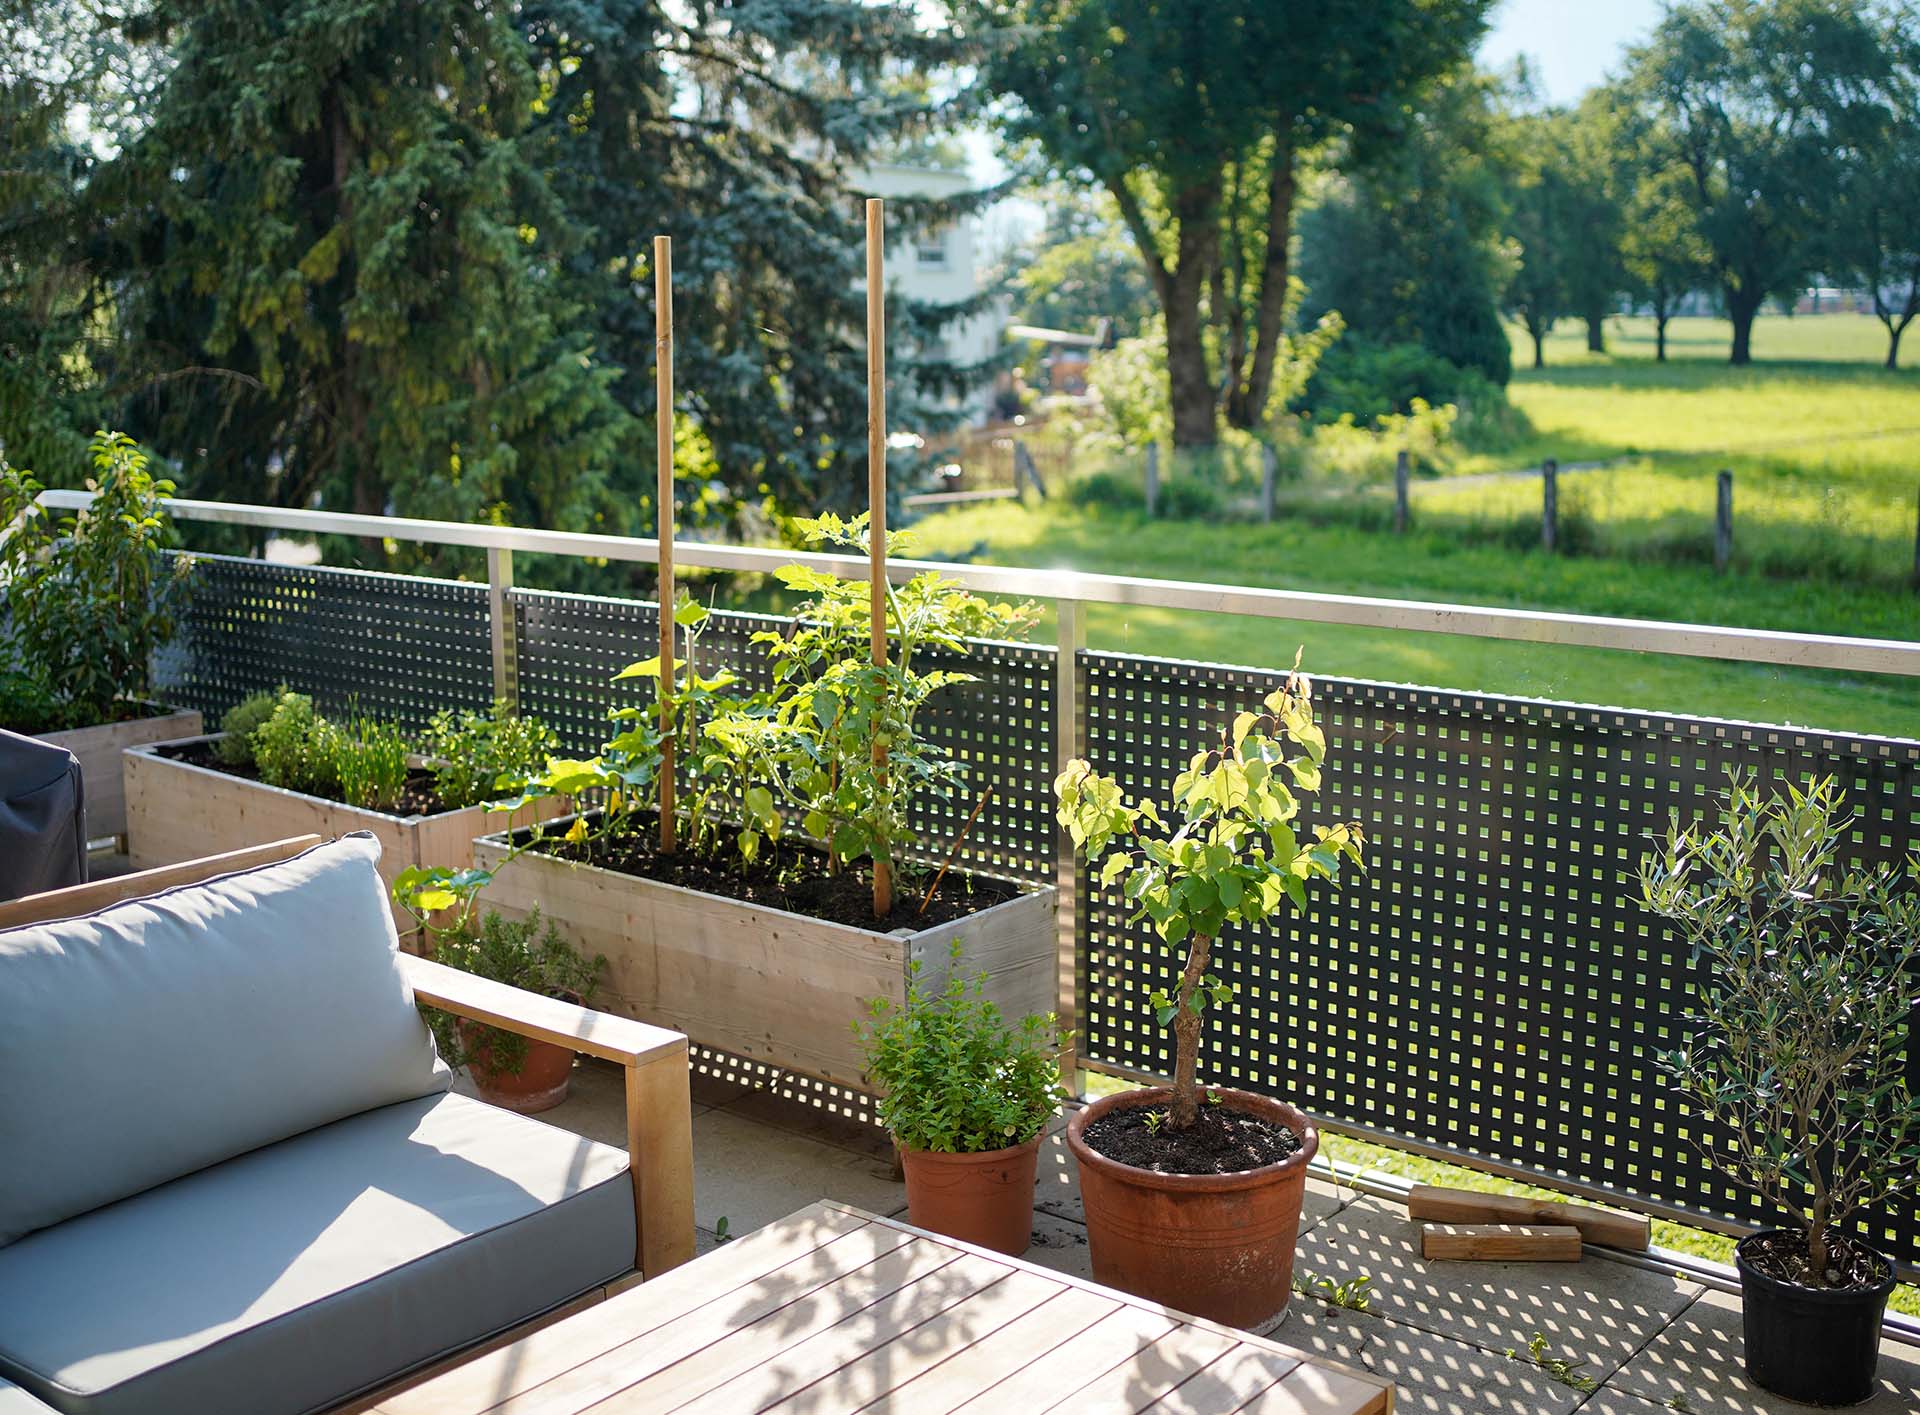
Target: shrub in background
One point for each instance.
(86, 596)
(240, 724)
(295, 747)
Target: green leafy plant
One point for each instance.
(520, 953)
(86, 596)
(371, 763)
(241, 722)
(1355, 1294)
(1798, 1042)
(296, 748)
(479, 756)
(957, 1079)
(1236, 857)
(834, 743)
(1559, 1368)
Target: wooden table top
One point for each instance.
(832, 1309)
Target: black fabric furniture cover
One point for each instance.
(43, 838)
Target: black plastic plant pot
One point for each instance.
(1816, 1345)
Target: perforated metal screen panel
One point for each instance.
(1489, 985)
(568, 647)
(398, 646)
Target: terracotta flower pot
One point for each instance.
(1215, 1245)
(984, 1198)
(540, 1084)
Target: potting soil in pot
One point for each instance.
(1221, 1140)
(1783, 1257)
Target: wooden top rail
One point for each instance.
(1861, 655)
(545, 1019)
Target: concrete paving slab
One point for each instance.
(1597, 1311)
(1699, 1359)
(1060, 1244)
(1436, 1375)
(752, 1174)
(821, 1118)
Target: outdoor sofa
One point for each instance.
(233, 1177)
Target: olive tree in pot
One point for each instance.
(966, 1097)
(1193, 1196)
(1798, 1051)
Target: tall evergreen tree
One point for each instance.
(347, 236)
(742, 131)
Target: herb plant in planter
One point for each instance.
(508, 1070)
(966, 1097)
(1798, 1053)
(86, 597)
(1193, 1195)
(770, 913)
(282, 767)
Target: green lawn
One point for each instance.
(1429, 566)
(1824, 446)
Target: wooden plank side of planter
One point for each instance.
(99, 750)
(1012, 943)
(178, 811)
(760, 983)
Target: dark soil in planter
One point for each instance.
(1783, 1257)
(1221, 1141)
(794, 879)
(417, 799)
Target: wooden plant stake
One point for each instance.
(663, 496)
(959, 840)
(877, 496)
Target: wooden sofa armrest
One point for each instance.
(659, 1103)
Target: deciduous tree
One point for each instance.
(1197, 118)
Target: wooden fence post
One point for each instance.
(1549, 505)
(1153, 478)
(1400, 492)
(1269, 474)
(1722, 521)
(1026, 472)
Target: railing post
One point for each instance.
(1400, 492)
(506, 673)
(1549, 504)
(1069, 741)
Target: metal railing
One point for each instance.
(1501, 823)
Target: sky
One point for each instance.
(1570, 44)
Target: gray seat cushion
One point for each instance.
(296, 1276)
(160, 1035)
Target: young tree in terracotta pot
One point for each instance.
(1799, 1051)
(1228, 851)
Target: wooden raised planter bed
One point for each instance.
(759, 982)
(179, 811)
(99, 750)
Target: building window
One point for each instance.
(930, 247)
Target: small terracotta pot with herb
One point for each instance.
(1193, 1196)
(966, 1097)
(511, 1071)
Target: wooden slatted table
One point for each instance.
(832, 1309)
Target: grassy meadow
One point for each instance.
(1826, 461)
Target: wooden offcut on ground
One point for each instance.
(833, 1309)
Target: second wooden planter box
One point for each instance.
(763, 983)
(99, 751)
(179, 811)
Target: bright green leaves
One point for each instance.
(1235, 857)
